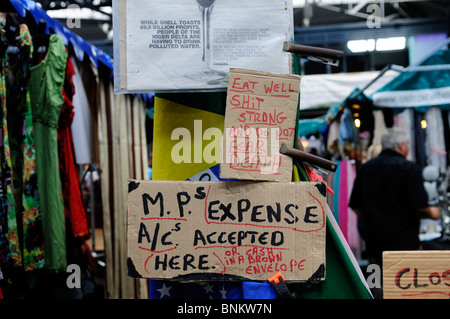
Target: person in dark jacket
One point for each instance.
(389, 198)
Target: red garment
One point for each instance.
(70, 182)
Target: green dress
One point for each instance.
(46, 83)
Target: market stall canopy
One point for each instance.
(333, 91)
(420, 87)
(325, 90)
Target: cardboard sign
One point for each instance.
(261, 113)
(186, 45)
(416, 274)
(226, 230)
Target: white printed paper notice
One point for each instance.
(190, 45)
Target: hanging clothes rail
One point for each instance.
(80, 46)
(111, 130)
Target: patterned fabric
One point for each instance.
(33, 243)
(33, 247)
(6, 169)
(16, 111)
(5, 254)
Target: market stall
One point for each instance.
(109, 144)
(416, 100)
(65, 131)
(187, 126)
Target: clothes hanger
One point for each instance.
(41, 41)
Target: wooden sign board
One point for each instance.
(261, 114)
(416, 274)
(191, 230)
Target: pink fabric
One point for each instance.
(353, 235)
(343, 199)
(348, 221)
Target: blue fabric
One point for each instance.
(166, 289)
(258, 290)
(336, 180)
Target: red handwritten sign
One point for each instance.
(261, 112)
(242, 229)
(416, 274)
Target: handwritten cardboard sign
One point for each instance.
(416, 274)
(233, 230)
(261, 113)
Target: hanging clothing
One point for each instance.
(73, 205)
(348, 221)
(5, 255)
(435, 139)
(379, 126)
(8, 202)
(405, 121)
(23, 154)
(46, 84)
(83, 121)
(348, 133)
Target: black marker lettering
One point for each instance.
(213, 211)
(271, 213)
(241, 208)
(274, 241)
(286, 209)
(226, 212)
(200, 193)
(187, 261)
(255, 213)
(181, 203)
(155, 237)
(146, 197)
(308, 215)
(202, 262)
(143, 233)
(198, 236)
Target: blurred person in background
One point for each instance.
(390, 199)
